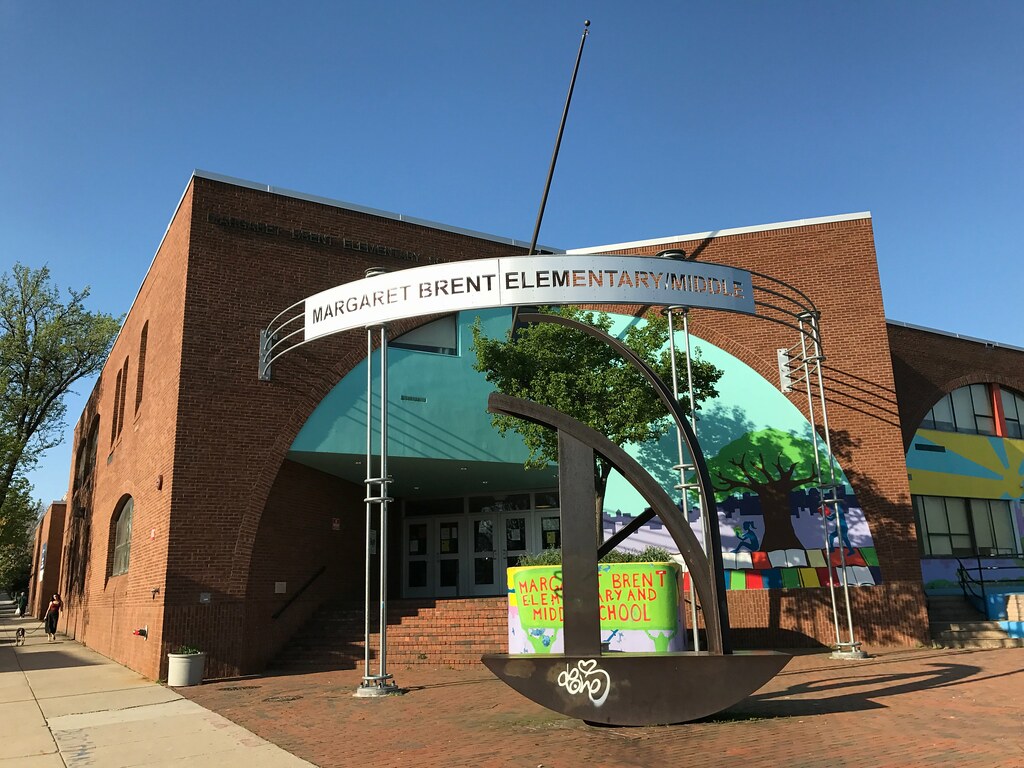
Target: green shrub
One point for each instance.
(188, 650)
(554, 557)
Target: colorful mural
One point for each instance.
(760, 454)
(639, 605)
(952, 464)
(757, 444)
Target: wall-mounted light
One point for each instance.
(142, 632)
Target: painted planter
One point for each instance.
(185, 669)
(639, 604)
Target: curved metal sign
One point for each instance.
(526, 280)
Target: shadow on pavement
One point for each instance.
(51, 658)
(870, 687)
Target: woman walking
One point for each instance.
(52, 614)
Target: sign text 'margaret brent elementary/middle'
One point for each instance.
(525, 280)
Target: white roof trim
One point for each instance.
(721, 233)
(961, 336)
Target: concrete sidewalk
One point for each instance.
(62, 704)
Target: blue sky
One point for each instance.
(686, 118)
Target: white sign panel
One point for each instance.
(519, 280)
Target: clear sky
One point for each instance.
(686, 118)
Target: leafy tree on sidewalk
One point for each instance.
(47, 343)
(581, 376)
(18, 517)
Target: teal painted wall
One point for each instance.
(452, 423)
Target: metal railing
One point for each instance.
(974, 586)
(298, 593)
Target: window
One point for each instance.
(143, 339)
(1013, 412)
(120, 402)
(114, 420)
(967, 409)
(440, 337)
(954, 527)
(123, 537)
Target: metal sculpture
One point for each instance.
(626, 688)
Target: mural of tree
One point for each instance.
(771, 464)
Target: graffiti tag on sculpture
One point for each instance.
(586, 677)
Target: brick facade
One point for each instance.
(221, 517)
(929, 364)
(49, 531)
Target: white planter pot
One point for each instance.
(185, 669)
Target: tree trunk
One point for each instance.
(778, 519)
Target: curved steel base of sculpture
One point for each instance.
(638, 688)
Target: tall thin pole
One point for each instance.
(382, 540)
(369, 503)
(554, 156)
(558, 140)
(682, 467)
(380, 684)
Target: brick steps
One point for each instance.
(443, 632)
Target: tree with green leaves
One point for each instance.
(583, 377)
(18, 517)
(770, 463)
(47, 343)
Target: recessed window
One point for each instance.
(967, 409)
(954, 527)
(114, 417)
(143, 340)
(440, 337)
(1013, 412)
(123, 538)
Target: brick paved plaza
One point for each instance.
(924, 707)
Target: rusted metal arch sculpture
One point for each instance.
(714, 604)
(621, 688)
(627, 688)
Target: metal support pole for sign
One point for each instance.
(380, 684)
(851, 648)
(806, 378)
(682, 467)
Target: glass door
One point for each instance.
(447, 558)
(515, 537)
(416, 577)
(484, 571)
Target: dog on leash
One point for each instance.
(19, 636)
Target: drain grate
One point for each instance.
(277, 699)
(241, 687)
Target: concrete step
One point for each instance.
(1007, 642)
(970, 634)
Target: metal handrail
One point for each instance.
(968, 582)
(277, 614)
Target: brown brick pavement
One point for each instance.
(900, 708)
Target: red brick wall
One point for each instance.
(929, 365)
(295, 542)
(231, 516)
(234, 431)
(51, 531)
(834, 264)
(103, 610)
